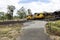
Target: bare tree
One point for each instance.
(11, 9)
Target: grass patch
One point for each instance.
(53, 27)
(10, 31)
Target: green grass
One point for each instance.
(53, 27)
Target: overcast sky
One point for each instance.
(34, 5)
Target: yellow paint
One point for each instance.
(29, 17)
(40, 16)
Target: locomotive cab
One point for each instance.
(29, 17)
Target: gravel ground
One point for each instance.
(34, 31)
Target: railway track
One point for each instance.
(12, 22)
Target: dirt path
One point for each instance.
(34, 31)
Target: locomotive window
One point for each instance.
(35, 13)
(38, 14)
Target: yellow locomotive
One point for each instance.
(35, 16)
(46, 15)
(39, 16)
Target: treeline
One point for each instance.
(21, 13)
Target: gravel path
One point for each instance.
(34, 31)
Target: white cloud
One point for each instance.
(34, 6)
(53, 5)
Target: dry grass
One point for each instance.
(9, 32)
